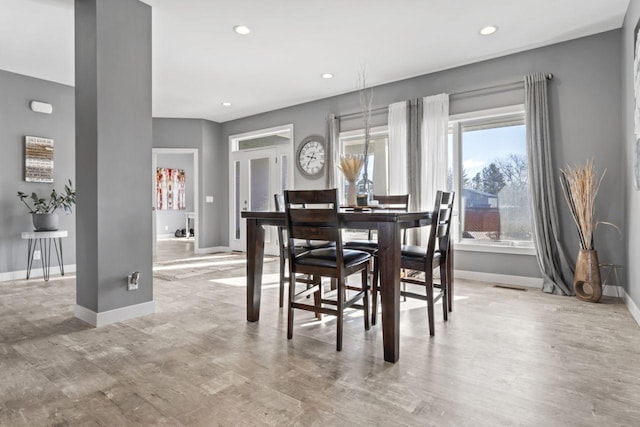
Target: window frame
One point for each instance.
(456, 123)
(355, 134)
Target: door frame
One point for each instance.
(233, 140)
(196, 194)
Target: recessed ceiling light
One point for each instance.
(327, 76)
(242, 29)
(226, 104)
(488, 30)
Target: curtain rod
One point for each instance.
(380, 110)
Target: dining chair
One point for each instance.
(300, 246)
(396, 202)
(436, 255)
(313, 215)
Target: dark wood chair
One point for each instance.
(435, 255)
(313, 215)
(301, 246)
(370, 245)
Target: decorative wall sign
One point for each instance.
(38, 159)
(170, 189)
(636, 112)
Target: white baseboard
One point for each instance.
(631, 306)
(36, 271)
(504, 279)
(113, 316)
(212, 249)
(165, 236)
(529, 282)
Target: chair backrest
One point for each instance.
(441, 221)
(394, 201)
(313, 215)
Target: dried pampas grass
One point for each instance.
(580, 186)
(350, 165)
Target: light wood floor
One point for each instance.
(505, 358)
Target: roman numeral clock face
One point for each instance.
(311, 156)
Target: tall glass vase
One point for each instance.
(365, 191)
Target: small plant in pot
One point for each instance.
(43, 210)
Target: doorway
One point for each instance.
(260, 165)
(181, 213)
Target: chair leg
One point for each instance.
(374, 293)
(282, 279)
(292, 291)
(365, 299)
(403, 273)
(340, 308)
(429, 287)
(445, 289)
(317, 296)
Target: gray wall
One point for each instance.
(204, 136)
(113, 148)
(585, 122)
(631, 230)
(16, 121)
(167, 221)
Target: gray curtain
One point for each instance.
(333, 133)
(551, 257)
(414, 152)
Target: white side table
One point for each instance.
(611, 268)
(44, 239)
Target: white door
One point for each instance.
(256, 175)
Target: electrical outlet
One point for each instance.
(209, 199)
(132, 281)
(166, 228)
(36, 255)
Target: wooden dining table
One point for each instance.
(388, 224)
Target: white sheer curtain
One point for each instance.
(398, 134)
(434, 131)
(434, 134)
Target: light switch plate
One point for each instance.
(209, 199)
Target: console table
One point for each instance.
(43, 239)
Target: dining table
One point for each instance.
(389, 225)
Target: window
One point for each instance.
(488, 167)
(377, 169)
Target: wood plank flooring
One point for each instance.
(505, 358)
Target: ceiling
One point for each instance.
(199, 62)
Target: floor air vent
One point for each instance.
(513, 288)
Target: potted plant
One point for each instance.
(43, 210)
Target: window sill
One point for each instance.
(498, 249)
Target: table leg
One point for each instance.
(255, 258)
(57, 245)
(389, 265)
(46, 257)
(31, 248)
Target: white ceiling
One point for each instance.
(199, 62)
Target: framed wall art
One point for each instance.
(38, 159)
(170, 189)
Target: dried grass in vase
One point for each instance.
(350, 165)
(580, 187)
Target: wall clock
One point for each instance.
(311, 156)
